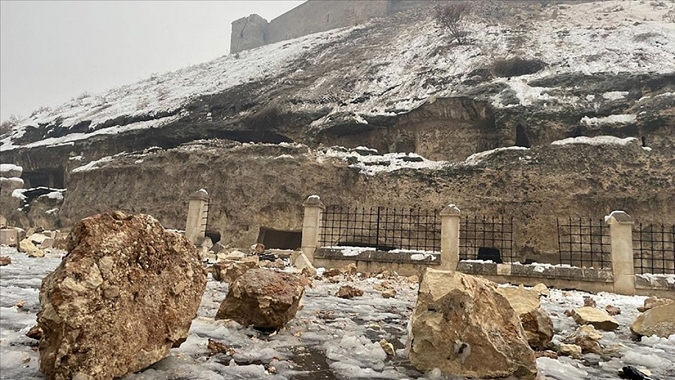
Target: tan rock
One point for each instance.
(27, 246)
(332, 272)
(587, 338)
(612, 310)
(571, 350)
(589, 301)
(541, 289)
(263, 298)
(596, 317)
(653, 302)
(536, 322)
(229, 271)
(125, 294)
(521, 299)
(538, 328)
(659, 321)
(348, 292)
(349, 269)
(35, 332)
(5, 260)
(9, 237)
(302, 262)
(388, 293)
(276, 264)
(387, 347)
(460, 320)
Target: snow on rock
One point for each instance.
(608, 120)
(614, 95)
(373, 163)
(92, 165)
(10, 170)
(18, 193)
(477, 158)
(598, 140)
(12, 182)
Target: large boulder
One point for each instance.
(598, 318)
(464, 327)
(536, 321)
(123, 296)
(659, 321)
(263, 298)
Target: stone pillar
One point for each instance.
(198, 210)
(311, 225)
(450, 219)
(621, 237)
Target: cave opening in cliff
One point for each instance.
(280, 239)
(521, 137)
(51, 178)
(489, 253)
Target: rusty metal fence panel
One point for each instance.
(382, 228)
(584, 243)
(654, 249)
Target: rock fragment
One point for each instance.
(596, 317)
(658, 320)
(460, 320)
(348, 292)
(125, 294)
(263, 298)
(5, 260)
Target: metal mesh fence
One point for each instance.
(584, 243)
(654, 249)
(486, 238)
(382, 228)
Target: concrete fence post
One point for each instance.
(311, 225)
(621, 238)
(450, 219)
(198, 210)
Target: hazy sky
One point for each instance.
(52, 51)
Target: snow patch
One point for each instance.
(476, 158)
(614, 95)
(598, 140)
(608, 120)
(6, 168)
(93, 165)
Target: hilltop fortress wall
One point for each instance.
(310, 17)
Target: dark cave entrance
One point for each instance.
(493, 254)
(54, 178)
(521, 137)
(279, 239)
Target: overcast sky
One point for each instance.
(52, 51)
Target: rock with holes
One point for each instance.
(464, 327)
(123, 296)
(263, 298)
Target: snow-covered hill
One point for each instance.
(386, 67)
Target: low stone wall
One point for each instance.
(375, 261)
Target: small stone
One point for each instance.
(20, 304)
(612, 310)
(332, 272)
(571, 350)
(388, 293)
(35, 332)
(5, 260)
(589, 302)
(541, 289)
(218, 347)
(587, 338)
(387, 347)
(348, 292)
(546, 354)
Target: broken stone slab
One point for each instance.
(263, 298)
(598, 318)
(123, 296)
(460, 320)
(659, 321)
(30, 249)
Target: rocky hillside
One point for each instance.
(530, 74)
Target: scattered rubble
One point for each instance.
(124, 277)
(263, 298)
(587, 338)
(612, 310)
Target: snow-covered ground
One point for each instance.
(330, 338)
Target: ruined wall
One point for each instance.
(310, 17)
